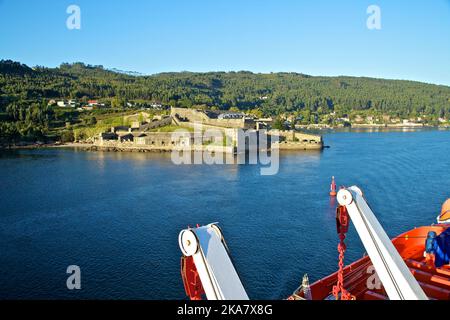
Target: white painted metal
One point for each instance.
(190, 247)
(397, 280)
(211, 257)
(188, 242)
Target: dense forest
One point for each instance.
(25, 92)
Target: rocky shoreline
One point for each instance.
(92, 147)
(124, 149)
(44, 145)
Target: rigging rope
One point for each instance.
(342, 221)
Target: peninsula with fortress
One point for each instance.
(77, 103)
(199, 130)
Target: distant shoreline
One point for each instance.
(371, 126)
(90, 146)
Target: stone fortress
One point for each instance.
(201, 130)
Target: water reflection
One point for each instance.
(332, 207)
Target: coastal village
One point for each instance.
(331, 120)
(157, 127)
(73, 103)
(232, 132)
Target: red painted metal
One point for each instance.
(191, 279)
(411, 245)
(342, 222)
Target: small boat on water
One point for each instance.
(413, 266)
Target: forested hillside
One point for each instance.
(25, 91)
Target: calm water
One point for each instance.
(117, 215)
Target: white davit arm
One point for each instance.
(214, 266)
(397, 280)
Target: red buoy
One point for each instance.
(333, 192)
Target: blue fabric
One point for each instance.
(441, 248)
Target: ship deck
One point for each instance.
(360, 281)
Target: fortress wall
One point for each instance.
(291, 135)
(156, 124)
(193, 115)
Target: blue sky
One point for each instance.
(313, 37)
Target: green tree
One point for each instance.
(67, 136)
(278, 124)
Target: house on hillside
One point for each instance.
(93, 103)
